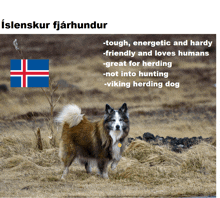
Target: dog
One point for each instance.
(100, 143)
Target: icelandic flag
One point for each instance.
(29, 73)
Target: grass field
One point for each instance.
(145, 169)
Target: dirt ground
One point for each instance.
(76, 64)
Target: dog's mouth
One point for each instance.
(117, 131)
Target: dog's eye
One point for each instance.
(113, 120)
(121, 119)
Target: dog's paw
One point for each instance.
(113, 166)
(105, 175)
(62, 178)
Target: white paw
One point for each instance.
(113, 165)
(105, 175)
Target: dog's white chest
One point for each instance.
(116, 151)
(115, 135)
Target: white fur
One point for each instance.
(116, 151)
(117, 120)
(116, 134)
(70, 114)
(116, 155)
(65, 172)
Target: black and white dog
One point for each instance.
(101, 142)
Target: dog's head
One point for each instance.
(117, 121)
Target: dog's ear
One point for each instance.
(108, 109)
(124, 108)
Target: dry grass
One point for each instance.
(145, 169)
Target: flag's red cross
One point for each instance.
(24, 73)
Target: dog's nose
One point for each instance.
(117, 127)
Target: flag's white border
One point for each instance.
(27, 70)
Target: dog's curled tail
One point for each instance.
(70, 114)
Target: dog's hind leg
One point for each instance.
(87, 164)
(67, 161)
(67, 156)
(65, 172)
(88, 167)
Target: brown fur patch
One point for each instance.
(87, 139)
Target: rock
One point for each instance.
(179, 141)
(159, 139)
(148, 137)
(200, 137)
(26, 188)
(130, 140)
(171, 140)
(139, 138)
(176, 144)
(63, 84)
(3, 88)
(209, 140)
(177, 149)
(185, 141)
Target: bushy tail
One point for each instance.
(70, 114)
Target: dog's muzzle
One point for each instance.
(117, 127)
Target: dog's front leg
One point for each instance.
(103, 168)
(114, 164)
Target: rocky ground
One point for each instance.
(175, 144)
